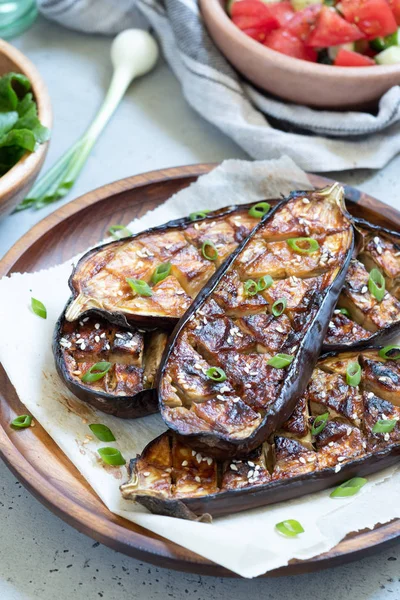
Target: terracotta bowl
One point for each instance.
(16, 183)
(299, 81)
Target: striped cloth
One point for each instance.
(315, 140)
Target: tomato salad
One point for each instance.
(344, 33)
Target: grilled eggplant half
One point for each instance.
(174, 260)
(170, 478)
(242, 355)
(127, 388)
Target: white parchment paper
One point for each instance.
(245, 543)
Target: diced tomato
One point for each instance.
(332, 30)
(257, 34)
(304, 21)
(249, 14)
(347, 58)
(282, 41)
(395, 6)
(282, 12)
(373, 17)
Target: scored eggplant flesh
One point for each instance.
(127, 388)
(99, 280)
(232, 417)
(172, 479)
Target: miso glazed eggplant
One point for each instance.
(370, 299)
(241, 356)
(151, 278)
(346, 424)
(109, 367)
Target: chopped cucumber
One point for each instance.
(333, 50)
(382, 43)
(300, 4)
(390, 56)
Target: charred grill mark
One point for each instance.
(290, 454)
(242, 339)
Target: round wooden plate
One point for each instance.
(36, 460)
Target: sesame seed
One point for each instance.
(219, 397)
(341, 458)
(199, 457)
(233, 467)
(336, 312)
(377, 240)
(386, 437)
(225, 388)
(194, 453)
(146, 473)
(250, 463)
(253, 373)
(331, 324)
(279, 329)
(97, 338)
(229, 340)
(209, 460)
(379, 249)
(85, 320)
(97, 326)
(338, 468)
(364, 289)
(197, 478)
(120, 293)
(119, 335)
(364, 444)
(306, 201)
(247, 385)
(330, 444)
(236, 357)
(354, 330)
(370, 395)
(302, 460)
(185, 463)
(250, 474)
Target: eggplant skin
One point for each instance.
(250, 425)
(170, 478)
(129, 406)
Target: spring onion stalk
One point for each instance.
(133, 52)
(353, 374)
(259, 210)
(280, 361)
(102, 432)
(22, 422)
(139, 286)
(96, 372)
(320, 423)
(289, 528)
(161, 272)
(348, 488)
(197, 216)
(119, 231)
(216, 374)
(384, 426)
(38, 308)
(111, 456)
(390, 352)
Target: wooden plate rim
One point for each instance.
(139, 545)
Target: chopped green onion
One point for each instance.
(278, 307)
(344, 312)
(251, 287)
(205, 250)
(161, 272)
(289, 528)
(259, 210)
(216, 374)
(319, 423)
(265, 282)
(353, 374)
(119, 231)
(111, 456)
(390, 352)
(303, 245)
(22, 422)
(384, 426)
(348, 488)
(38, 308)
(279, 361)
(96, 372)
(139, 286)
(102, 432)
(197, 216)
(376, 284)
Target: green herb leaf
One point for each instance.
(197, 216)
(390, 352)
(102, 432)
(140, 287)
(280, 361)
(278, 307)
(348, 488)
(353, 374)
(22, 422)
(119, 231)
(259, 210)
(209, 250)
(96, 372)
(250, 287)
(38, 308)
(384, 426)
(376, 284)
(303, 245)
(320, 423)
(289, 528)
(161, 272)
(111, 456)
(216, 374)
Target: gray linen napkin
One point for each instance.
(331, 140)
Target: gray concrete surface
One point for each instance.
(41, 557)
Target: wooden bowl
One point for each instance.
(16, 183)
(298, 81)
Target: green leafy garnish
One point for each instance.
(161, 272)
(348, 488)
(384, 426)
(102, 432)
(22, 422)
(20, 128)
(376, 284)
(38, 308)
(280, 361)
(353, 374)
(289, 528)
(96, 372)
(139, 286)
(111, 456)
